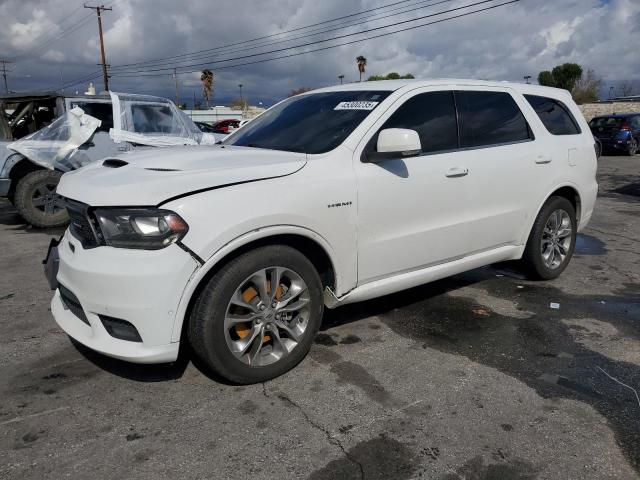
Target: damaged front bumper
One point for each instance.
(120, 302)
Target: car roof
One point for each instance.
(393, 85)
(618, 115)
(34, 95)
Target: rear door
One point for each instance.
(506, 167)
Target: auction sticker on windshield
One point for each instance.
(358, 105)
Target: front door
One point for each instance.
(412, 211)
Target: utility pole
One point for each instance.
(341, 77)
(175, 78)
(4, 73)
(99, 11)
(527, 78)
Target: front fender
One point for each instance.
(8, 160)
(233, 245)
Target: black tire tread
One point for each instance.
(531, 258)
(23, 196)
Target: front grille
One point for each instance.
(80, 224)
(71, 302)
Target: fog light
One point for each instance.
(120, 329)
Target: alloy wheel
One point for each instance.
(267, 316)
(556, 239)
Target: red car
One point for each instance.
(226, 126)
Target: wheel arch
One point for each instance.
(20, 168)
(308, 242)
(568, 191)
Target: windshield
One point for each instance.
(313, 123)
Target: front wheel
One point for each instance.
(552, 240)
(37, 201)
(256, 318)
(632, 149)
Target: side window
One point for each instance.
(101, 111)
(490, 118)
(153, 119)
(433, 116)
(555, 115)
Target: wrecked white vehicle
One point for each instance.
(90, 130)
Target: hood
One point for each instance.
(151, 177)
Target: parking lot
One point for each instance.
(474, 377)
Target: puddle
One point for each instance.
(588, 245)
(632, 189)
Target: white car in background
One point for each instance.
(331, 197)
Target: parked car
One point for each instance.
(205, 127)
(617, 133)
(226, 126)
(209, 130)
(330, 197)
(74, 132)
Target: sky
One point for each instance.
(54, 43)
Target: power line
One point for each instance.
(344, 43)
(268, 36)
(221, 49)
(309, 34)
(337, 37)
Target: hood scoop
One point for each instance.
(114, 163)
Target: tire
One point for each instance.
(533, 259)
(632, 149)
(212, 334)
(35, 199)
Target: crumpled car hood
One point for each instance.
(151, 177)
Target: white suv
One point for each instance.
(331, 197)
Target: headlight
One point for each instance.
(145, 228)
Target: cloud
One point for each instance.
(505, 43)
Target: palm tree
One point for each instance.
(207, 85)
(362, 62)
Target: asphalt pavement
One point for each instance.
(484, 375)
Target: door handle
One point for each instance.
(457, 172)
(543, 159)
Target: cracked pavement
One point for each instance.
(472, 377)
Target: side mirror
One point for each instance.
(396, 143)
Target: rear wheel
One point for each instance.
(552, 240)
(632, 149)
(256, 318)
(37, 201)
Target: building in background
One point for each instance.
(217, 113)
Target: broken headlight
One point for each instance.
(144, 228)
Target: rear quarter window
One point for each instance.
(555, 115)
(489, 118)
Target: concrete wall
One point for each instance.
(590, 110)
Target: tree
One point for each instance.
(546, 79)
(239, 104)
(207, 85)
(628, 89)
(563, 76)
(362, 63)
(298, 91)
(390, 76)
(586, 88)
